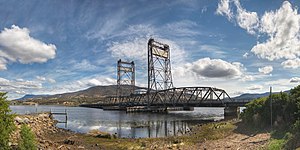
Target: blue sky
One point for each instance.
(53, 46)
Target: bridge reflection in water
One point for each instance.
(157, 128)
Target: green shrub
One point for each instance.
(296, 126)
(254, 112)
(276, 144)
(258, 111)
(27, 141)
(6, 122)
(285, 114)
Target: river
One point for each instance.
(127, 125)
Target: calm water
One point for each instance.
(128, 125)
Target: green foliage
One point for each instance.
(296, 126)
(258, 111)
(295, 92)
(285, 114)
(253, 109)
(6, 122)
(27, 141)
(276, 144)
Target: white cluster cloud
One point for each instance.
(131, 49)
(295, 80)
(84, 65)
(214, 68)
(265, 70)
(102, 81)
(246, 55)
(41, 78)
(283, 84)
(213, 50)
(44, 79)
(136, 50)
(282, 27)
(224, 9)
(83, 84)
(279, 29)
(246, 20)
(247, 78)
(18, 86)
(291, 63)
(255, 87)
(180, 28)
(16, 45)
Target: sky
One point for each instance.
(241, 46)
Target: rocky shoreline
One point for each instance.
(209, 136)
(42, 125)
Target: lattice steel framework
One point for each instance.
(159, 66)
(174, 97)
(125, 78)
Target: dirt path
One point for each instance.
(238, 141)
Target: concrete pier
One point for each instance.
(117, 108)
(157, 109)
(231, 112)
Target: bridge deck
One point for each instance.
(203, 104)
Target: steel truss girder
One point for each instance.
(184, 96)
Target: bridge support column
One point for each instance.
(231, 112)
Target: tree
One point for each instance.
(257, 112)
(6, 122)
(27, 141)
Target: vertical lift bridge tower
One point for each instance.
(125, 78)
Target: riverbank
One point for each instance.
(222, 135)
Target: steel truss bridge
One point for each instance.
(174, 97)
(160, 91)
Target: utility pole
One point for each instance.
(271, 107)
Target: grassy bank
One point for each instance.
(199, 134)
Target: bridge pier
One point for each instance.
(231, 112)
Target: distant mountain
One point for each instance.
(28, 96)
(251, 96)
(90, 95)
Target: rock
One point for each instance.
(26, 120)
(42, 141)
(176, 141)
(19, 120)
(60, 147)
(108, 136)
(44, 115)
(101, 134)
(144, 144)
(80, 147)
(69, 142)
